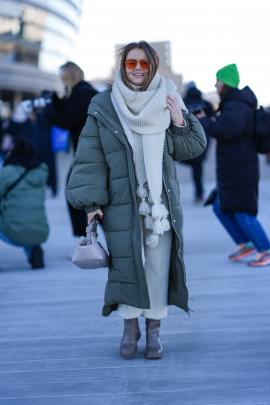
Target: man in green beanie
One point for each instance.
(237, 168)
(229, 75)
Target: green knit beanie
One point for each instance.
(229, 75)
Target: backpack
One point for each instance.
(262, 130)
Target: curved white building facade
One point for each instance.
(36, 36)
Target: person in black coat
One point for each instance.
(70, 113)
(42, 141)
(32, 126)
(237, 167)
(196, 104)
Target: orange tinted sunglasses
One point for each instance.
(132, 63)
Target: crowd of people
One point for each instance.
(36, 125)
(126, 140)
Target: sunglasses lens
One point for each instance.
(131, 64)
(144, 64)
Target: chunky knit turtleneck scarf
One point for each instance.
(145, 117)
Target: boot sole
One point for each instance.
(133, 354)
(153, 356)
(130, 355)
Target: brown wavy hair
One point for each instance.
(152, 57)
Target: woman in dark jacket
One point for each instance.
(124, 172)
(236, 205)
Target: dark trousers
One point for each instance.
(197, 175)
(52, 176)
(78, 220)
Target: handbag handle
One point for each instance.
(91, 229)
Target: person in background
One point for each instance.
(194, 99)
(30, 123)
(42, 141)
(236, 201)
(124, 172)
(6, 139)
(70, 113)
(23, 221)
(195, 104)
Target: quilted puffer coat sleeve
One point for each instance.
(87, 183)
(187, 142)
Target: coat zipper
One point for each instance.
(170, 208)
(179, 238)
(107, 118)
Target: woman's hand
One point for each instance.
(175, 110)
(92, 215)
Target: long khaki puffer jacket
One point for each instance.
(103, 175)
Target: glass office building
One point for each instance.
(36, 36)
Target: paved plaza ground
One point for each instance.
(57, 349)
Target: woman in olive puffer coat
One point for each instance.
(124, 172)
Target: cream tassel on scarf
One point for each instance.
(155, 216)
(166, 224)
(152, 240)
(144, 207)
(158, 227)
(148, 223)
(157, 210)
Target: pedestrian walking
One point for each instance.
(196, 104)
(23, 221)
(236, 201)
(124, 172)
(70, 113)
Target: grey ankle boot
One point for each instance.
(153, 348)
(131, 335)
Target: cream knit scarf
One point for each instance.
(145, 117)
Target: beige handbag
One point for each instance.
(89, 253)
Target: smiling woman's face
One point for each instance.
(137, 75)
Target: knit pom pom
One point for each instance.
(148, 222)
(144, 208)
(158, 227)
(165, 224)
(157, 210)
(152, 240)
(165, 212)
(142, 192)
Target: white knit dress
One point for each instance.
(156, 266)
